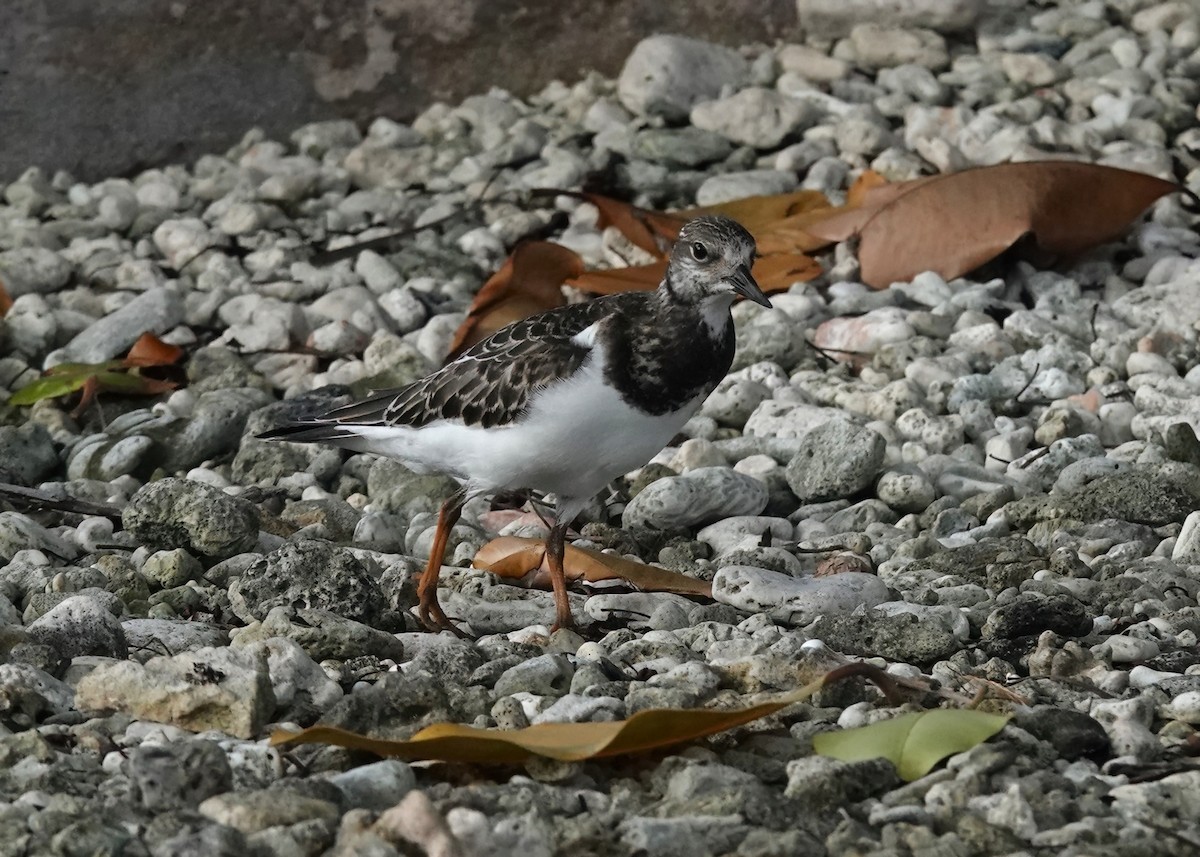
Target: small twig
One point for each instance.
(1037, 367)
(31, 498)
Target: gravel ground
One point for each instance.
(1015, 462)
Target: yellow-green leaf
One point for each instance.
(914, 743)
(61, 382)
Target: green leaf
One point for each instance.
(63, 382)
(914, 743)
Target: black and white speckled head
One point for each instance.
(710, 264)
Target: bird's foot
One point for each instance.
(435, 619)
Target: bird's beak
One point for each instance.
(743, 283)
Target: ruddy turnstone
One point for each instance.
(562, 402)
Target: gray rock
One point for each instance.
(299, 684)
(213, 427)
(321, 634)
(222, 689)
(150, 637)
(105, 458)
(836, 459)
(1140, 495)
(172, 568)
(665, 75)
(308, 574)
(876, 46)
(545, 675)
(255, 811)
(28, 691)
(171, 513)
(27, 454)
(1031, 613)
(18, 533)
(758, 117)
(680, 147)
(157, 310)
(697, 497)
(796, 601)
(80, 625)
(724, 187)
(179, 775)
(1073, 734)
(377, 786)
(694, 836)
(906, 637)
(33, 269)
(834, 18)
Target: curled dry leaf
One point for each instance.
(529, 282)
(517, 558)
(954, 223)
(6, 300)
(149, 350)
(637, 278)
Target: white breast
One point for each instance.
(577, 436)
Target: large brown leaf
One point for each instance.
(571, 742)
(952, 224)
(6, 300)
(516, 558)
(653, 231)
(529, 282)
(758, 213)
(774, 273)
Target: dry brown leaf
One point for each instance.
(952, 224)
(651, 729)
(758, 213)
(653, 231)
(530, 281)
(567, 742)
(638, 278)
(149, 350)
(6, 300)
(779, 271)
(515, 557)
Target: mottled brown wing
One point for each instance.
(493, 382)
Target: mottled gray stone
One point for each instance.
(171, 513)
(665, 75)
(836, 459)
(796, 600)
(80, 625)
(697, 497)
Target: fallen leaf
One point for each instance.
(517, 558)
(650, 729)
(530, 281)
(653, 231)
(779, 272)
(149, 350)
(569, 742)
(637, 278)
(758, 213)
(954, 223)
(914, 743)
(6, 300)
(132, 375)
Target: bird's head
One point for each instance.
(711, 260)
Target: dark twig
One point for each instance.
(31, 498)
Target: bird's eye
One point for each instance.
(699, 251)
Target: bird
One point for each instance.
(562, 402)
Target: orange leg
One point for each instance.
(556, 546)
(429, 610)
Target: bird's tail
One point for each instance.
(313, 431)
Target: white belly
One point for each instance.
(578, 436)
